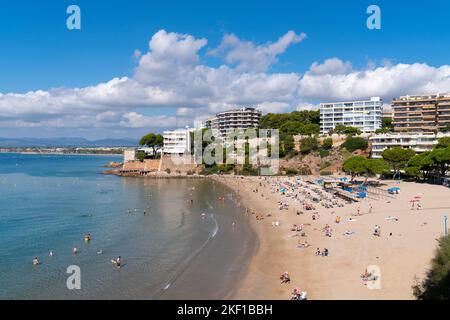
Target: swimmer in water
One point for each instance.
(51, 253)
(117, 261)
(36, 261)
(74, 250)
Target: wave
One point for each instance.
(191, 258)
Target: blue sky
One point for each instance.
(38, 52)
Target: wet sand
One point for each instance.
(402, 257)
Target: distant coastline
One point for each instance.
(65, 151)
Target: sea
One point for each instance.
(193, 242)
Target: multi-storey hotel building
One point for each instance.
(364, 115)
(421, 113)
(227, 121)
(177, 142)
(419, 142)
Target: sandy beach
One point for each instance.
(402, 252)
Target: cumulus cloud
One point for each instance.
(253, 58)
(170, 78)
(169, 75)
(336, 80)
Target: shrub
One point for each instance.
(436, 286)
(291, 172)
(327, 143)
(305, 171)
(324, 153)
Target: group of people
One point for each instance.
(87, 239)
(323, 253)
(327, 230)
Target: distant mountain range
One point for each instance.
(64, 142)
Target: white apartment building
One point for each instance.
(419, 142)
(364, 115)
(177, 141)
(227, 121)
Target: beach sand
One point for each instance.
(402, 257)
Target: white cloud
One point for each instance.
(135, 120)
(335, 81)
(250, 57)
(330, 66)
(171, 75)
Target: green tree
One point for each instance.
(420, 166)
(354, 143)
(287, 145)
(375, 166)
(397, 157)
(310, 129)
(141, 155)
(308, 144)
(386, 123)
(441, 157)
(341, 129)
(151, 140)
(443, 143)
(436, 285)
(362, 166)
(355, 166)
(382, 130)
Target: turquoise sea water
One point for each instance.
(177, 250)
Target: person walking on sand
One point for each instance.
(370, 208)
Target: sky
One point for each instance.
(140, 66)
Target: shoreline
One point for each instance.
(402, 257)
(65, 154)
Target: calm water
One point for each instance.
(177, 250)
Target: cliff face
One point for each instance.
(314, 164)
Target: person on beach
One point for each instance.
(36, 261)
(285, 278)
(377, 231)
(370, 208)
